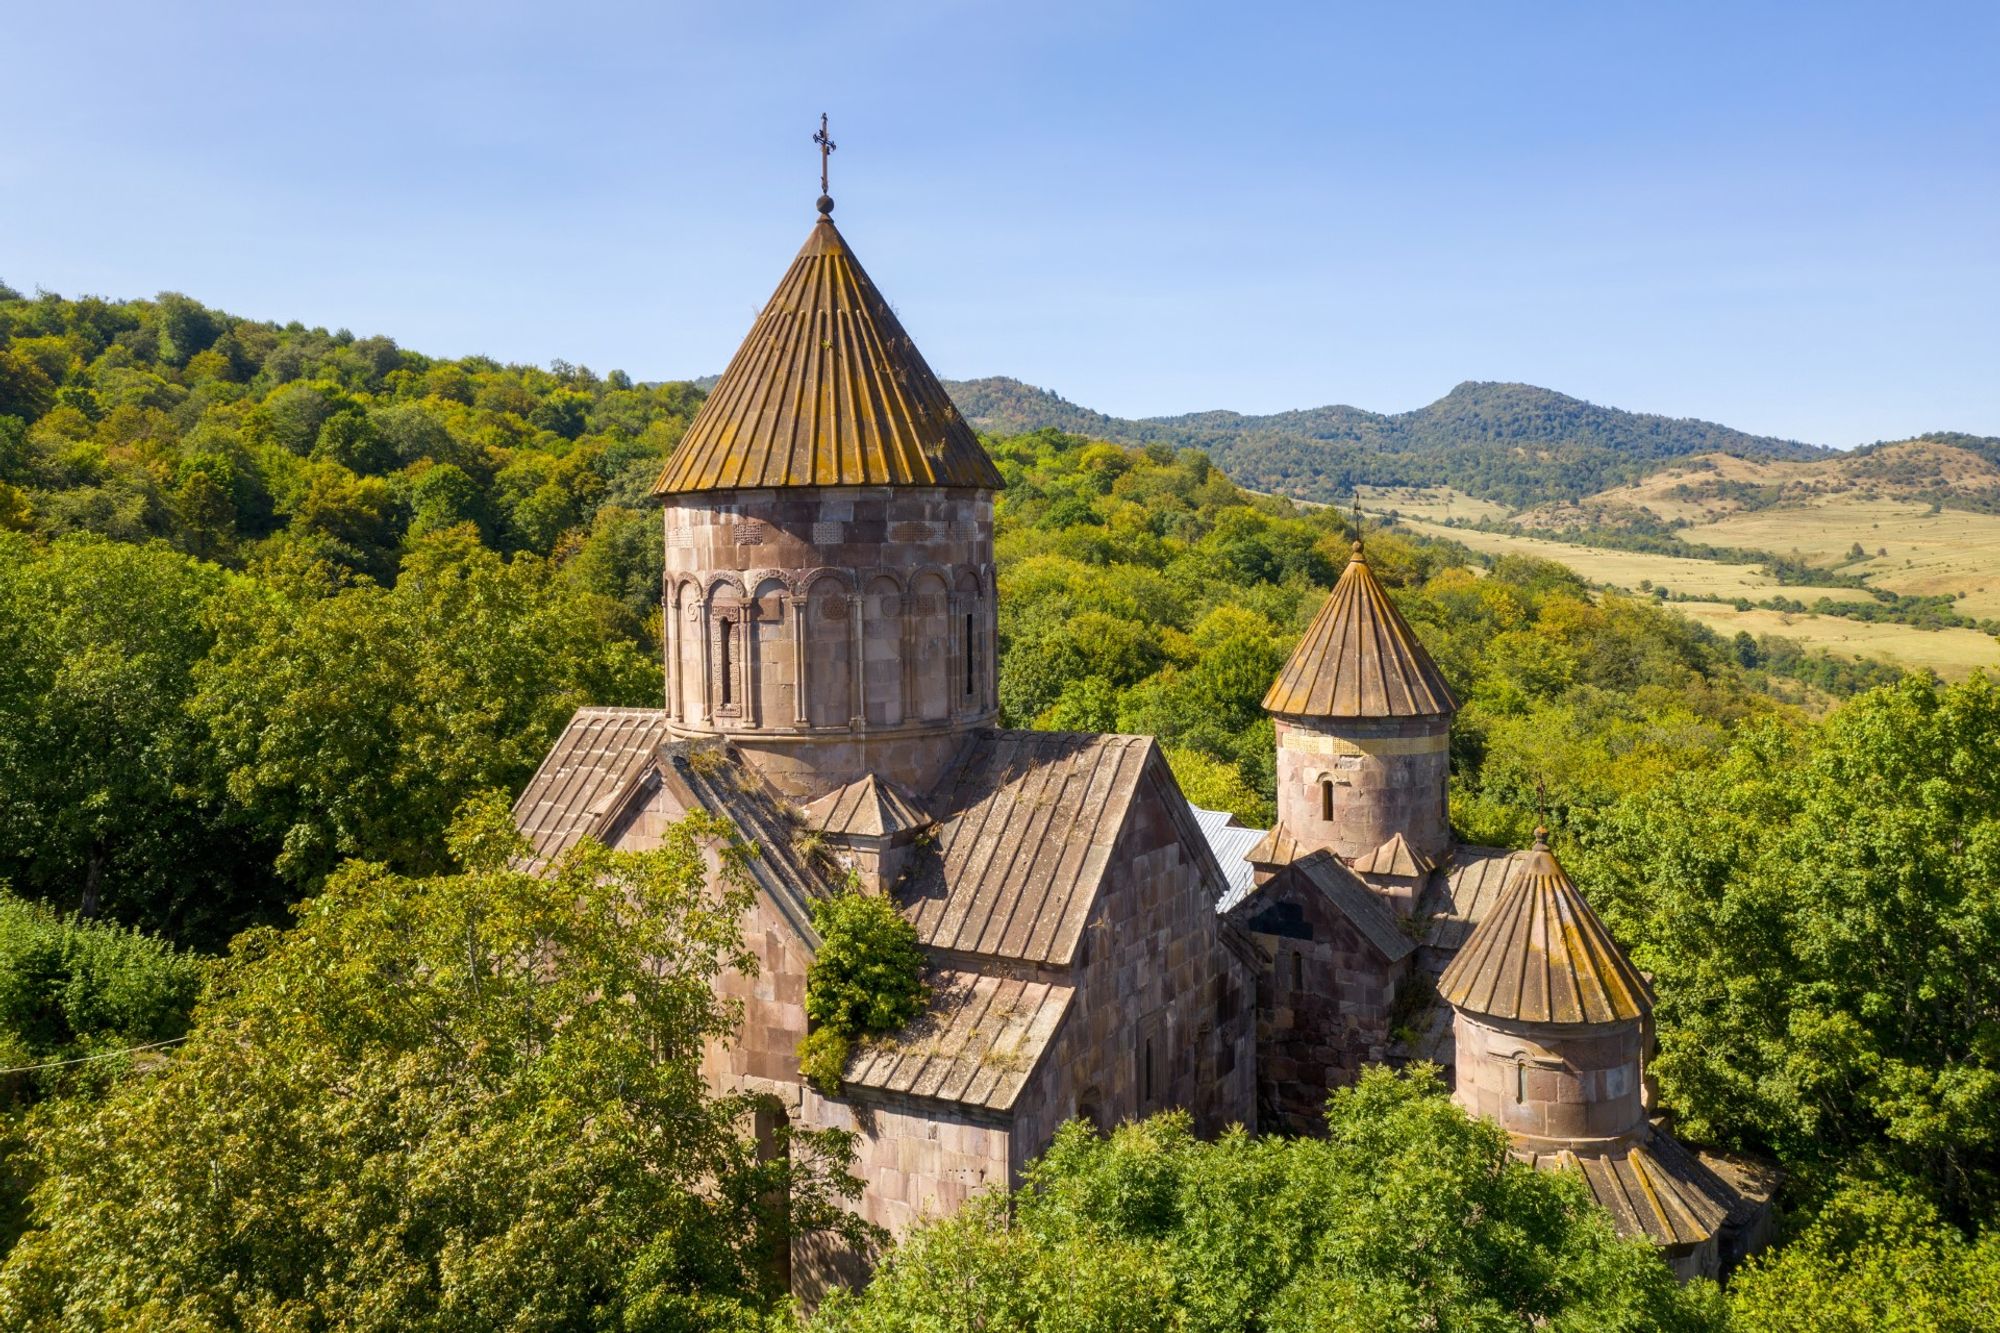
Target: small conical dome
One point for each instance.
(1542, 956)
(1360, 658)
(827, 391)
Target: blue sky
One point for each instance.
(1784, 217)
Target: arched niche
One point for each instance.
(882, 651)
(773, 673)
(932, 658)
(827, 671)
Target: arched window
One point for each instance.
(971, 655)
(728, 631)
(1326, 799)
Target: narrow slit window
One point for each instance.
(728, 663)
(1298, 970)
(1146, 1072)
(1326, 799)
(1520, 1082)
(970, 655)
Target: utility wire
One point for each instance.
(86, 1059)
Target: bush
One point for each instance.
(866, 978)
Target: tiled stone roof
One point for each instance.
(866, 807)
(1025, 830)
(1357, 902)
(827, 390)
(1542, 956)
(1395, 858)
(1651, 1186)
(1278, 847)
(975, 1045)
(1359, 658)
(1461, 897)
(589, 777)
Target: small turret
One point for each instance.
(1363, 719)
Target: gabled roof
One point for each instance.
(1357, 902)
(1542, 956)
(1025, 829)
(975, 1044)
(866, 808)
(1465, 894)
(827, 390)
(1278, 847)
(600, 762)
(1359, 658)
(1651, 1185)
(1395, 858)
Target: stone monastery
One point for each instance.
(1098, 947)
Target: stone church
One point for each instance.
(1098, 947)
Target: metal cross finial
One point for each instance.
(826, 146)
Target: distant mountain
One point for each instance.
(1512, 443)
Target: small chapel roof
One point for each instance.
(1360, 658)
(1395, 858)
(867, 807)
(827, 390)
(1542, 956)
(1651, 1185)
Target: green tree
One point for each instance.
(353, 724)
(456, 1103)
(1407, 1215)
(866, 977)
(1822, 913)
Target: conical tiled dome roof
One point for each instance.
(1359, 658)
(1542, 956)
(827, 391)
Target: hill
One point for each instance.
(1515, 444)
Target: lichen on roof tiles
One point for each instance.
(1359, 658)
(866, 807)
(975, 1043)
(1025, 832)
(588, 777)
(827, 390)
(1651, 1185)
(1543, 956)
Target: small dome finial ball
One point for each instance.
(826, 205)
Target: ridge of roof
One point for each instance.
(1356, 901)
(827, 390)
(1359, 658)
(1543, 956)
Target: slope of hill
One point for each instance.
(1512, 443)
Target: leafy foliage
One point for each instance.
(1872, 1262)
(71, 987)
(1408, 1215)
(866, 977)
(460, 1102)
(1819, 910)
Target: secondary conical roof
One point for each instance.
(1359, 658)
(828, 390)
(1542, 956)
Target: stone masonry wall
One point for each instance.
(1323, 1002)
(1154, 983)
(1384, 776)
(1550, 1082)
(832, 632)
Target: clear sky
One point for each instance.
(1783, 217)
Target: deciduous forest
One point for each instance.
(287, 617)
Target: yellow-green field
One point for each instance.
(1433, 503)
(1947, 552)
(1952, 653)
(1953, 545)
(1631, 569)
